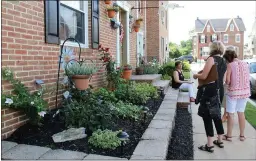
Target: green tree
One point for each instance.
(174, 50)
(184, 48)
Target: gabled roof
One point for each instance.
(219, 25)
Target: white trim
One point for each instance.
(206, 25)
(224, 38)
(239, 38)
(126, 7)
(228, 24)
(86, 37)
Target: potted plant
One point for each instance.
(127, 71)
(138, 21)
(107, 1)
(136, 28)
(112, 11)
(80, 72)
(140, 70)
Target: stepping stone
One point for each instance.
(166, 111)
(140, 157)
(183, 100)
(25, 152)
(7, 145)
(157, 134)
(164, 117)
(160, 124)
(151, 148)
(168, 105)
(102, 157)
(62, 154)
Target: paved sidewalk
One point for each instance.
(232, 150)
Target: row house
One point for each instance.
(229, 31)
(33, 33)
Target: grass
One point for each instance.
(186, 75)
(250, 114)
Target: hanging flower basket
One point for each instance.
(112, 11)
(127, 72)
(107, 1)
(136, 28)
(81, 81)
(138, 21)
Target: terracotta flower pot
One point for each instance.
(107, 1)
(139, 71)
(111, 13)
(81, 81)
(138, 22)
(136, 28)
(127, 74)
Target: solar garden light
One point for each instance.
(145, 111)
(123, 136)
(39, 82)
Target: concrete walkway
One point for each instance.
(232, 150)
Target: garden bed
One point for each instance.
(181, 144)
(42, 135)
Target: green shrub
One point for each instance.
(166, 77)
(89, 112)
(128, 110)
(167, 69)
(186, 66)
(150, 68)
(106, 139)
(136, 93)
(106, 95)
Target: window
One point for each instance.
(225, 38)
(214, 37)
(73, 20)
(95, 24)
(232, 27)
(208, 28)
(237, 38)
(202, 39)
(162, 17)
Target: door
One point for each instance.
(140, 48)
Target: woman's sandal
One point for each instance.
(206, 148)
(227, 138)
(242, 138)
(219, 144)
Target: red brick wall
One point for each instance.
(24, 50)
(152, 30)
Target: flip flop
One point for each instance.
(242, 138)
(227, 138)
(206, 148)
(219, 144)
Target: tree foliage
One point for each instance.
(184, 48)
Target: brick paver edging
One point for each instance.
(155, 140)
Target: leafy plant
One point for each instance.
(22, 99)
(139, 19)
(80, 68)
(167, 69)
(151, 68)
(186, 66)
(106, 95)
(128, 110)
(127, 67)
(89, 111)
(113, 8)
(105, 139)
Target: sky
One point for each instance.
(182, 20)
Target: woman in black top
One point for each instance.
(216, 50)
(178, 81)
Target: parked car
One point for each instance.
(252, 68)
(188, 58)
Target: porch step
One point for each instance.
(183, 100)
(162, 84)
(149, 78)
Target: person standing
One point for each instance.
(211, 91)
(238, 91)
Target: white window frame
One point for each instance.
(202, 37)
(225, 35)
(86, 37)
(208, 28)
(232, 27)
(238, 36)
(214, 37)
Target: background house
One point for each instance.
(252, 40)
(33, 32)
(229, 31)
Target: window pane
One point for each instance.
(74, 4)
(72, 24)
(95, 25)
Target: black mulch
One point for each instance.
(42, 136)
(181, 144)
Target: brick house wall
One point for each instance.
(24, 50)
(220, 35)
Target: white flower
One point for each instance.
(32, 103)
(42, 113)
(39, 93)
(66, 94)
(56, 113)
(9, 101)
